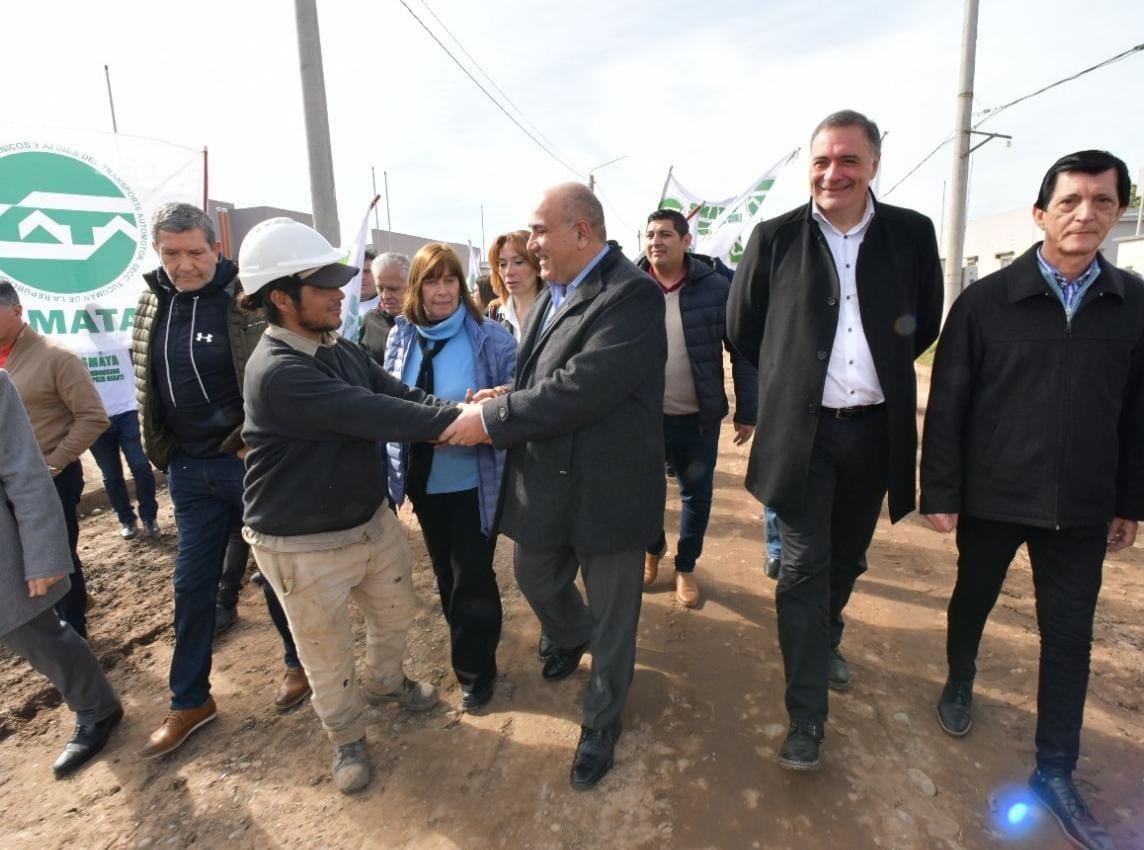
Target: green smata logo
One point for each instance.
(68, 225)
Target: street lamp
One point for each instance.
(592, 177)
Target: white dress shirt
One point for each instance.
(851, 379)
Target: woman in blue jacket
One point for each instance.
(442, 344)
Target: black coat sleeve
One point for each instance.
(1130, 469)
(747, 304)
(951, 395)
(931, 290)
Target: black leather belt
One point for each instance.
(851, 412)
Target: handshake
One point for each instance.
(468, 429)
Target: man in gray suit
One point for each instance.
(583, 482)
(34, 577)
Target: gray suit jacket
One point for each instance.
(33, 537)
(584, 421)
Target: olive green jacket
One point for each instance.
(244, 330)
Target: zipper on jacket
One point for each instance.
(191, 346)
(167, 352)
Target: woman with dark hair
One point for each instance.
(442, 345)
(515, 274)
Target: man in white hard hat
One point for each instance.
(189, 347)
(318, 412)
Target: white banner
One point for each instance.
(75, 208)
(474, 271)
(718, 227)
(355, 256)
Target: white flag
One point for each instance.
(474, 270)
(75, 209)
(717, 227)
(354, 255)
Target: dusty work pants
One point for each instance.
(315, 589)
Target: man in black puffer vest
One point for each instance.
(189, 348)
(694, 401)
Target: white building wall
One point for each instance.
(996, 239)
(1130, 254)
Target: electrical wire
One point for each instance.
(486, 93)
(987, 114)
(492, 82)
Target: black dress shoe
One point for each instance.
(594, 755)
(563, 662)
(953, 709)
(773, 566)
(544, 647)
(85, 744)
(839, 676)
(474, 699)
(800, 749)
(1059, 795)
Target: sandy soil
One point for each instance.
(695, 767)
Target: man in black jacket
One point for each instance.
(832, 302)
(1034, 434)
(189, 346)
(391, 279)
(583, 482)
(694, 399)
(318, 413)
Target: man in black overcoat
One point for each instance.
(832, 301)
(583, 480)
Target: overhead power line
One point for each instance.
(486, 75)
(987, 114)
(486, 93)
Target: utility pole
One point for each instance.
(955, 221)
(110, 99)
(388, 218)
(322, 195)
(592, 175)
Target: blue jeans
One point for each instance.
(207, 495)
(771, 524)
(693, 452)
(123, 435)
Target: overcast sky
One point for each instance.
(720, 90)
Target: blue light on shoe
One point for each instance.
(1014, 812)
(1017, 813)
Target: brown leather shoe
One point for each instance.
(686, 590)
(177, 727)
(651, 568)
(294, 689)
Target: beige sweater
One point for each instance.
(62, 402)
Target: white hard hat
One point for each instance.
(282, 247)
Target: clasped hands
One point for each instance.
(468, 429)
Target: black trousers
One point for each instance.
(824, 551)
(462, 560)
(1067, 567)
(73, 607)
(54, 649)
(609, 622)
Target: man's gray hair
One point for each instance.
(850, 118)
(391, 258)
(581, 204)
(179, 218)
(9, 297)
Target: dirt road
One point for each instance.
(695, 767)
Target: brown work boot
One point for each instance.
(651, 567)
(177, 727)
(686, 590)
(294, 689)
